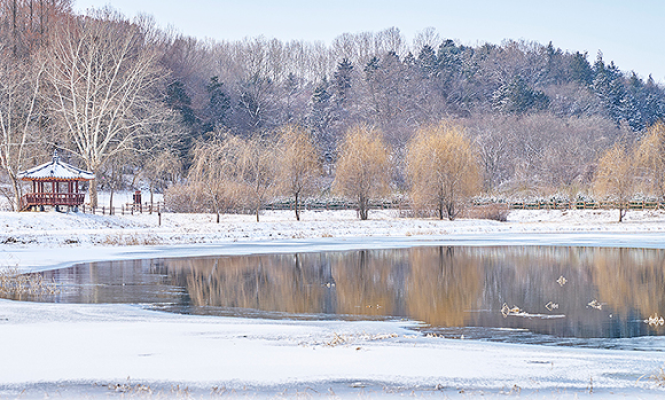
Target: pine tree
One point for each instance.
(178, 99)
(517, 97)
(342, 82)
(428, 62)
(608, 86)
(218, 105)
(580, 69)
(654, 102)
(321, 118)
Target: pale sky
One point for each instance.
(630, 33)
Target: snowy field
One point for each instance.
(120, 351)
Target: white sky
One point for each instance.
(628, 32)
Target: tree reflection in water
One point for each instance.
(446, 287)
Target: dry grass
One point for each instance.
(13, 283)
(128, 240)
(658, 378)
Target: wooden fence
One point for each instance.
(535, 205)
(125, 209)
(582, 205)
(131, 209)
(333, 206)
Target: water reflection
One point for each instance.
(553, 291)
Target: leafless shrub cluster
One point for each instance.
(495, 212)
(231, 173)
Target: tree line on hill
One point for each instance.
(136, 104)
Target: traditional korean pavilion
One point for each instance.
(54, 184)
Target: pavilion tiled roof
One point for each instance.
(55, 170)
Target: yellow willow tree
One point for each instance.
(442, 169)
(650, 160)
(615, 177)
(363, 167)
(258, 169)
(215, 178)
(299, 165)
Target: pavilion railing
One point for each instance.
(53, 199)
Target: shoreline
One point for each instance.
(114, 351)
(38, 241)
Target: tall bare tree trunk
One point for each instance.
(111, 200)
(92, 190)
(363, 205)
(17, 194)
(14, 29)
(152, 197)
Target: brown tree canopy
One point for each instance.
(615, 177)
(442, 169)
(363, 167)
(650, 161)
(298, 161)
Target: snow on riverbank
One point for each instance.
(36, 241)
(86, 351)
(76, 228)
(102, 351)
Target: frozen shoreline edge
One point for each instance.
(493, 374)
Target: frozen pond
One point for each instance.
(579, 296)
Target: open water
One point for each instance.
(577, 296)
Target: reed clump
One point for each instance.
(15, 284)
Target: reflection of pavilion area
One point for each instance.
(444, 286)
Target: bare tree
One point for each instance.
(298, 164)
(258, 170)
(112, 175)
(363, 167)
(19, 108)
(26, 24)
(104, 74)
(442, 169)
(162, 168)
(615, 178)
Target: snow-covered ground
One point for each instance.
(143, 229)
(101, 351)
